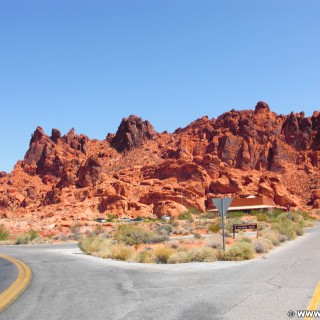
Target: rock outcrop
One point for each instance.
(138, 171)
(132, 132)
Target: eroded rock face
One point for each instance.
(89, 173)
(132, 132)
(241, 153)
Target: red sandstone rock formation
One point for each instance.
(138, 171)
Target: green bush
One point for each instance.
(195, 211)
(262, 217)
(132, 235)
(235, 214)
(239, 251)
(245, 239)
(24, 239)
(214, 227)
(285, 227)
(185, 215)
(208, 215)
(110, 217)
(145, 256)
(32, 234)
(299, 228)
(4, 234)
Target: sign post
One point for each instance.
(222, 204)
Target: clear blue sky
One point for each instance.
(87, 64)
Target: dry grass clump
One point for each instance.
(285, 227)
(262, 245)
(121, 252)
(162, 254)
(239, 251)
(308, 224)
(204, 254)
(179, 257)
(96, 245)
(271, 235)
(215, 242)
(174, 244)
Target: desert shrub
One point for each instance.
(203, 254)
(215, 242)
(32, 234)
(164, 229)
(308, 223)
(98, 230)
(272, 235)
(306, 215)
(262, 217)
(299, 228)
(162, 254)
(179, 257)
(285, 227)
(235, 214)
(185, 215)
(283, 238)
(121, 252)
(240, 251)
(157, 238)
(295, 216)
(197, 235)
(94, 244)
(262, 226)
(231, 222)
(208, 215)
(145, 256)
(23, 239)
(132, 235)
(245, 239)
(214, 227)
(110, 217)
(4, 234)
(194, 211)
(181, 231)
(174, 244)
(262, 245)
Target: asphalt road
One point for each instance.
(69, 285)
(8, 274)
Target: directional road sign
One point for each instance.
(222, 204)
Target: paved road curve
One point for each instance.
(8, 274)
(68, 285)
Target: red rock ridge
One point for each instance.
(138, 171)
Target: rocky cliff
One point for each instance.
(138, 171)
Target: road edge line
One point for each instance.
(315, 300)
(11, 294)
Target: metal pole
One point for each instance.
(224, 246)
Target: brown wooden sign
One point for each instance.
(245, 226)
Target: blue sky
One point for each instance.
(88, 64)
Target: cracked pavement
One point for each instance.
(69, 285)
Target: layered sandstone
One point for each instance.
(137, 171)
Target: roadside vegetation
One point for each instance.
(196, 238)
(190, 237)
